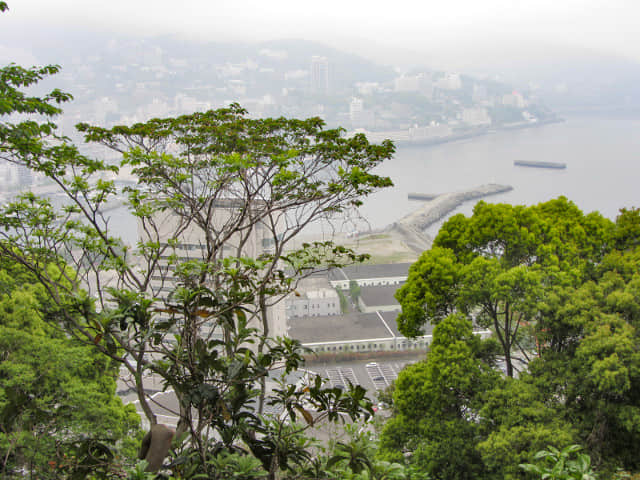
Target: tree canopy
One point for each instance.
(499, 266)
(58, 406)
(218, 198)
(561, 287)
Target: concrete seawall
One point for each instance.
(412, 226)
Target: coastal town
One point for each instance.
(414, 106)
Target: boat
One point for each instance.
(533, 164)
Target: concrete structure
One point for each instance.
(354, 332)
(369, 275)
(379, 298)
(313, 303)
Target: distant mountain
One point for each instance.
(294, 54)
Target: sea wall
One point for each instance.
(432, 211)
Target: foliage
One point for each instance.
(344, 303)
(559, 464)
(354, 291)
(58, 408)
(354, 458)
(562, 289)
(518, 421)
(218, 198)
(499, 266)
(436, 404)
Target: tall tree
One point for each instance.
(437, 402)
(499, 266)
(191, 298)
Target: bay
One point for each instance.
(602, 155)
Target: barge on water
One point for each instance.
(533, 164)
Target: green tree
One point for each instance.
(354, 291)
(437, 403)
(198, 318)
(344, 303)
(518, 421)
(498, 267)
(582, 386)
(589, 359)
(59, 413)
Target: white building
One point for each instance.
(451, 81)
(407, 83)
(319, 74)
(369, 275)
(314, 303)
(476, 116)
(356, 107)
(355, 333)
(432, 131)
(514, 99)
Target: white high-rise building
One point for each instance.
(319, 74)
(355, 108)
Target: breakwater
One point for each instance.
(412, 226)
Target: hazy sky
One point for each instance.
(433, 29)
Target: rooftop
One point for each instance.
(379, 295)
(335, 328)
(354, 272)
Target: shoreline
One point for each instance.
(474, 133)
(378, 136)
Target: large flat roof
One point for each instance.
(356, 272)
(380, 295)
(336, 328)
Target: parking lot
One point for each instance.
(341, 377)
(372, 375)
(382, 374)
